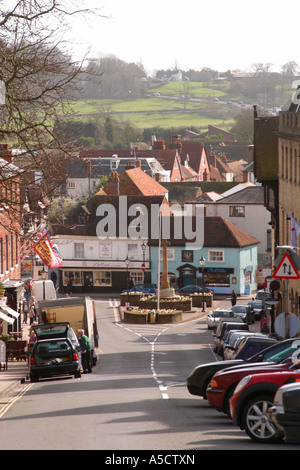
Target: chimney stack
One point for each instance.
(113, 186)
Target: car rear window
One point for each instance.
(51, 346)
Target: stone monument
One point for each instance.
(166, 291)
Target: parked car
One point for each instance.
(232, 341)
(245, 312)
(258, 308)
(250, 345)
(213, 317)
(55, 352)
(194, 290)
(232, 337)
(252, 399)
(223, 383)
(144, 288)
(200, 376)
(262, 295)
(221, 330)
(285, 412)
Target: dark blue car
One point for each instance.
(144, 288)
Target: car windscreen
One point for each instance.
(239, 308)
(285, 353)
(220, 314)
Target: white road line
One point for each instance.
(144, 332)
(14, 399)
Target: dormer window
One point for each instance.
(114, 163)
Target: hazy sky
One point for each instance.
(219, 34)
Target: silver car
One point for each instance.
(214, 316)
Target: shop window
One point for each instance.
(76, 278)
(217, 279)
(102, 278)
(137, 277)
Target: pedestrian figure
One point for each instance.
(233, 298)
(85, 348)
(25, 312)
(69, 286)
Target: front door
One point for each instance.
(88, 281)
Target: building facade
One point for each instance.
(289, 191)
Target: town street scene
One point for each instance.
(149, 243)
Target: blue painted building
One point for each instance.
(230, 259)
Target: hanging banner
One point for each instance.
(44, 249)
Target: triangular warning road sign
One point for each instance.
(286, 269)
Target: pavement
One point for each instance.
(17, 373)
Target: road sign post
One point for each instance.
(287, 270)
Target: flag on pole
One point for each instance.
(295, 231)
(48, 255)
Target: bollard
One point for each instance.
(152, 316)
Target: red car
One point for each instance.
(252, 399)
(223, 383)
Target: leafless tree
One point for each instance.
(39, 79)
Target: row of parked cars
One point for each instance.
(257, 386)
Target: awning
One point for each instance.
(9, 311)
(6, 318)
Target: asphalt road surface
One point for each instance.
(136, 398)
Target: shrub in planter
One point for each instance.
(180, 303)
(144, 316)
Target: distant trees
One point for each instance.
(243, 127)
(117, 79)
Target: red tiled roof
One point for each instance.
(133, 182)
(136, 181)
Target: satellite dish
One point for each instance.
(293, 325)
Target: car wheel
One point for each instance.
(34, 378)
(256, 422)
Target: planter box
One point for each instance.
(144, 317)
(133, 299)
(183, 305)
(197, 300)
(135, 317)
(174, 317)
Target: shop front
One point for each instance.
(101, 277)
(219, 279)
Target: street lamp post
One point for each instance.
(202, 263)
(127, 261)
(144, 246)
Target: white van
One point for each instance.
(43, 290)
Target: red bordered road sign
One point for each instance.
(286, 269)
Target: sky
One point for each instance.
(191, 34)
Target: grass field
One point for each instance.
(155, 111)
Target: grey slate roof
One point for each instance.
(251, 195)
